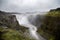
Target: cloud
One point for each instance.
(28, 5)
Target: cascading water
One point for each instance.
(23, 20)
(33, 32)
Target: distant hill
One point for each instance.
(3, 12)
(57, 9)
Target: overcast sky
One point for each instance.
(28, 5)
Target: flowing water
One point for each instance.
(23, 20)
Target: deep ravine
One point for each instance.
(23, 20)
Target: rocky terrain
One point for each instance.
(10, 28)
(48, 27)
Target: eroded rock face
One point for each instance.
(10, 21)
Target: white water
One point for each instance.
(23, 20)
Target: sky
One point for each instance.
(28, 5)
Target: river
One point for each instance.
(23, 19)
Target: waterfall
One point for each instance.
(23, 20)
(33, 32)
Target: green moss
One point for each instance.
(10, 34)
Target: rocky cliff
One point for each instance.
(50, 28)
(10, 28)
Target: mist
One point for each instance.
(29, 21)
(28, 5)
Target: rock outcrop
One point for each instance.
(10, 28)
